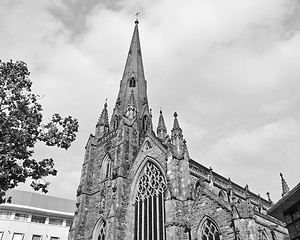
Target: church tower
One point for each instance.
(140, 185)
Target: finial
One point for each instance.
(105, 104)
(136, 17)
(175, 114)
(160, 111)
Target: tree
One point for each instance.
(21, 128)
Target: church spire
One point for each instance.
(133, 80)
(102, 125)
(285, 187)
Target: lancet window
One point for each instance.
(116, 122)
(132, 82)
(209, 230)
(145, 123)
(105, 168)
(149, 205)
(99, 230)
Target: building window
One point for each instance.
(21, 216)
(54, 238)
(1, 234)
(99, 230)
(209, 231)
(149, 205)
(145, 123)
(105, 168)
(5, 215)
(36, 237)
(55, 221)
(18, 236)
(38, 219)
(116, 122)
(132, 82)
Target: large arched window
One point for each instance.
(149, 205)
(99, 230)
(209, 230)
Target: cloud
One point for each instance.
(230, 70)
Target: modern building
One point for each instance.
(287, 209)
(33, 216)
(143, 185)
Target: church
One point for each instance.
(138, 182)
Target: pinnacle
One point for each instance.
(103, 119)
(285, 187)
(176, 123)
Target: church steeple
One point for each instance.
(133, 81)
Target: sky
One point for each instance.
(230, 69)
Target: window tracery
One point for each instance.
(99, 230)
(149, 205)
(209, 231)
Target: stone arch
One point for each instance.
(99, 230)
(208, 229)
(137, 197)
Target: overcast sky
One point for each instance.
(231, 69)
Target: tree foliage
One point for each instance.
(21, 128)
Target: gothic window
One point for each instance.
(105, 168)
(116, 122)
(145, 123)
(132, 82)
(99, 230)
(209, 230)
(149, 205)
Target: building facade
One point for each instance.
(32, 216)
(140, 184)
